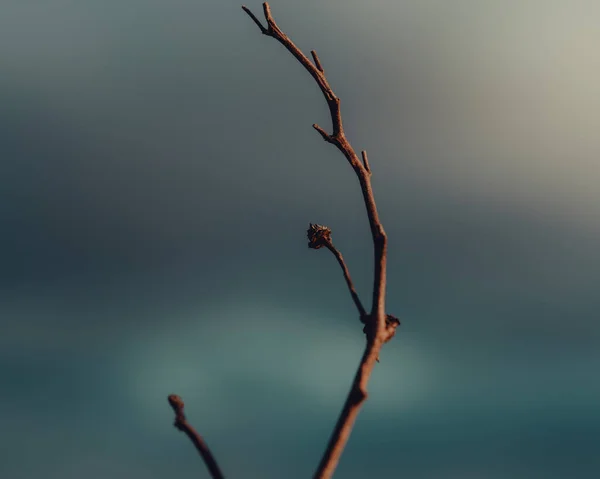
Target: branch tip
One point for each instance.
(317, 61)
(326, 136)
(267, 12)
(256, 20)
(176, 402)
(181, 423)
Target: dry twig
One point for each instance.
(181, 423)
(379, 327)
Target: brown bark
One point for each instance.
(181, 423)
(379, 327)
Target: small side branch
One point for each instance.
(264, 30)
(353, 292)
(181, 423)
(317, 61)
(326, 136)
(319, 236)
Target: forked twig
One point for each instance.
(379, 327)
(181, 423)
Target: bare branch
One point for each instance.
(181, 423)
(320, 236)
(379, 327)
(353, 292)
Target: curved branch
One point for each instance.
(181, 423)
(353, 292)
(378, 329)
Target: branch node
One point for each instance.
(326, 136)
(359, 395)
(325, 240)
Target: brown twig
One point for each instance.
(353, 292)
(319, 236)
(181, 423)
(379, 328)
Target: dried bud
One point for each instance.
(318, 236)
(391, 323)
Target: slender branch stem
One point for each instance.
(317, 61)
(181, 423)
(378, 330)
(351, 287)
(347, 418)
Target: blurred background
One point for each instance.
(158, 171)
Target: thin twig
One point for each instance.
(181, 423)
(317, 61)
(378, 330)
(353, 292)
(319, 236)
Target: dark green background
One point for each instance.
(158, 171)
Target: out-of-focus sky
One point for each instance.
(158, 171)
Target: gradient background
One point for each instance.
(158, 173)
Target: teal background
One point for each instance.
(158, 172)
